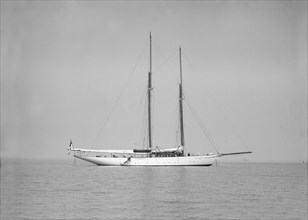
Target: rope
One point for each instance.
(202, 126)
(177, 136)
(143, 124)
(153, 99)
(226, 119)
(119, 97)
(164, 62)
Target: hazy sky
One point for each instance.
(65, 63)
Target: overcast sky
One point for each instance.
(65, 63)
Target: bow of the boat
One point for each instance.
(103, 161)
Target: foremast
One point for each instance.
(181, 103)
(149, 98)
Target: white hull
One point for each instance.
(152, 161)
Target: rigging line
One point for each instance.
(121, 93)
(161, 54)
(177, 138)
(176, 123)
(143, 123)
(202, 126)
(227, 120)
(153, 115)
(204, 130)
(166, 60)
(140, 134)
(201, 122)
(143, 132)
(145, 140)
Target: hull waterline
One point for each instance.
(152, 161)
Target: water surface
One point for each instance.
(61, 190)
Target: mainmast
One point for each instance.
(149, 96)
(181, 103)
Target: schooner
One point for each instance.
(151, 157)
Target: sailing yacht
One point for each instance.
(151, 156)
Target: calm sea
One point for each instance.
(62, 190)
